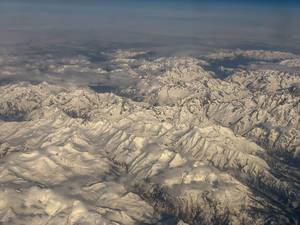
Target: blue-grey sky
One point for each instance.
(171, 24)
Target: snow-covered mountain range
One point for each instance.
(172, 144)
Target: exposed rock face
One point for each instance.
(180, 146)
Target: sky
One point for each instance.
(173, 26)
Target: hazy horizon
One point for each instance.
(167, 25)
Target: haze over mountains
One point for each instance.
(131, 112)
